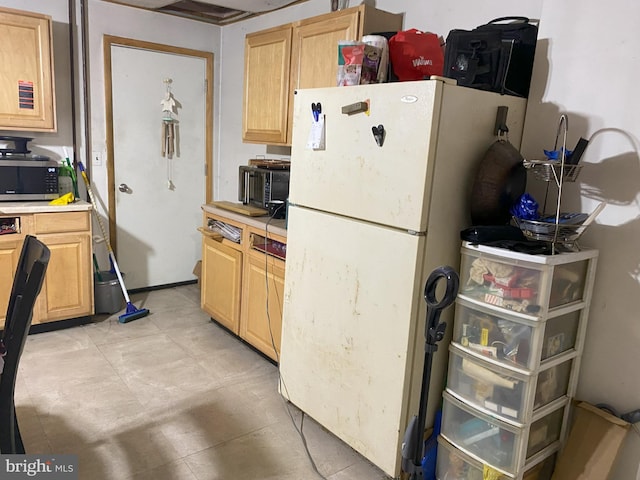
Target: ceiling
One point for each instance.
(218, 12)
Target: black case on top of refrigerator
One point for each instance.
(496, 56)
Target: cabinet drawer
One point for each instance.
(62, 222)
(511, 395)
(14, 227)
(262, 244)
(231, 232)
(532, 286)
(515, 340)
(498, 444)
(453, 463)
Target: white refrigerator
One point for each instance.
(367, 222)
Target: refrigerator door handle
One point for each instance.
(358, 107)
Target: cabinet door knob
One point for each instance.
(124, 188)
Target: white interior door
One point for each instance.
(158, 212)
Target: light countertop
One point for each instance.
(276, 226)
(17, 208)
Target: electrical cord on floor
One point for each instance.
(283, 387)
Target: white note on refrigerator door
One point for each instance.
(316, 134)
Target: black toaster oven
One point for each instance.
(260, 186)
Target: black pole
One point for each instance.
(422, 413)
(434, 332)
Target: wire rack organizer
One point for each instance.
(551, 170)
(557, 228)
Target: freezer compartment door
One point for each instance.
(386, 181)
(350, 320)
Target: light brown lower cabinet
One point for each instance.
(242, 284)
(67, 291)
(262, 297)
(220, 282)
(9, 255)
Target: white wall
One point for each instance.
(586, 67)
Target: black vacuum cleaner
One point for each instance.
(413, 450)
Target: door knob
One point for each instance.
(124, 188)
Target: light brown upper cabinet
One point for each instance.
(266, 85)
(311, 61)
(27, 95)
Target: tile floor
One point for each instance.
(171, 396)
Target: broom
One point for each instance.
(132, 313)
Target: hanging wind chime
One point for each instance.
(168, 130)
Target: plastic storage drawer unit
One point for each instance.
(518, 334)
(510, 394)
(501, 445)
(531, 284)
(513, 339)
(454, 464)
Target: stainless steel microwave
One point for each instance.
(260, 186)
(28, 179)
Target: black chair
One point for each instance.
(27, 284)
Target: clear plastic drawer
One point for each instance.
(513, 339)
(512, 395)
(454, 464)
(529, 284)
(545, 431)
(498, 444)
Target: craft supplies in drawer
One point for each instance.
(511, 338)
(454, 464)
(507, 393)
(520, 285)
(498, 444)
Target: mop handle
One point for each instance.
(104, 232)
(117, 269)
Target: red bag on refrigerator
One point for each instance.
(416, 55)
